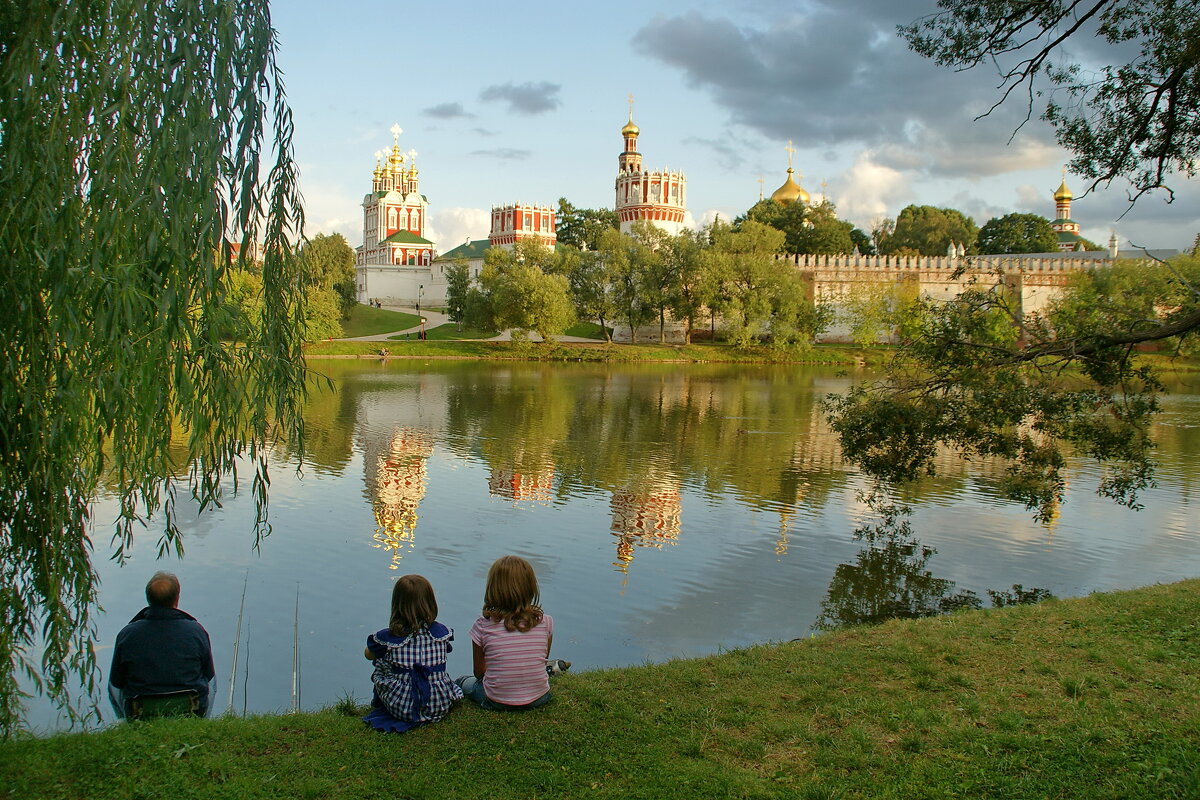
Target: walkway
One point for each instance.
(435, 318)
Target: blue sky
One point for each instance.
(524, 103)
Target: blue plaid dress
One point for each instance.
(411, 684)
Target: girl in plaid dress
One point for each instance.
(411, 684)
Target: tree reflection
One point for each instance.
(888, 579)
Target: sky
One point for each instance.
(508, 103)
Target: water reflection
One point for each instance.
(648, 515)
(401, 475)
(889, 579)
(669, 511)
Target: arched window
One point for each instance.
(391, 218)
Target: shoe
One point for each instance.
(556, 666)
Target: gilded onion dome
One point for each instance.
(630, 129)
(1063, 193)
(790, 192)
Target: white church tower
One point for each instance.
(393, 262)
(658, 197)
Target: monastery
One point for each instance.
(398, 265)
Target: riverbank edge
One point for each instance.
(1085, 697)
(836, 355)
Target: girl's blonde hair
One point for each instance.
(413, 605)
(511, 595)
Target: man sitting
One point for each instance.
(161, 650)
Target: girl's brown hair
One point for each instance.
(413, 605)
(511, 595)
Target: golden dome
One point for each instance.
(790, 192)
(630, 129)
(1063, 193)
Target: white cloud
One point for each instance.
(869, 190)
(450, 227)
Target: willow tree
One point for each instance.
(136, 140)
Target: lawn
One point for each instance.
(368, 321)
(1094, 697)
(450, 332)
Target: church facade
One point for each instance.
(656, 196)
(394, 261)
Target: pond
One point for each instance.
(669, 512)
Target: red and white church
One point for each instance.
(398, 265)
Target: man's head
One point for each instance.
(163, 590)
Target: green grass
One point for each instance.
(586, 330)
(450, 332)
(835, 355)
(368, 321)
(951, 707)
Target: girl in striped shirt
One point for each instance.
(510, 642)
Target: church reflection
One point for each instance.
(648, 515)
(401, 477)
(536, 486)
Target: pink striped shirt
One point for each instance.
(515, 662)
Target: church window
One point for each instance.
(528, 221)
(391, 217)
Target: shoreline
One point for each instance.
(1096, 696)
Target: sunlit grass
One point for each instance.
(955, 706)
(367, 321)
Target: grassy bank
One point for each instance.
(369, 321)
(846, 355)
(1093, 697)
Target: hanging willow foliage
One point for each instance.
(136, 139)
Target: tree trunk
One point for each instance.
(662, 326)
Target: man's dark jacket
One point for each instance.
(162, 650)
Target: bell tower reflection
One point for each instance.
(401, 476)
(535, 486)
(648, 515)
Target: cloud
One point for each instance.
(837, 75)
(450, 227)
(728, 156)
(870, 190)
(448, 111)
(504, 153)
(526, 98)
(483, 132)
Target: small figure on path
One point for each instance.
(163, 653)
(410, 680)
(510, 642)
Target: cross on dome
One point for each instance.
(396, 131)
(789, 149)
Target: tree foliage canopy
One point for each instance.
(1017, 233)
(134, 139)
(581, 227)
(929, 231)
(1133, 116)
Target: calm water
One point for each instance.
(669, 512)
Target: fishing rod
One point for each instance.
(296, 654)
(237, 640)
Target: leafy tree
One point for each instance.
(691, 281)
(744, 264)
(627, 260)
(581, 227)
(656, 276)
(1017, 233)
(458, 284)
(1134, 117)
(525, 290)
(929, 231)
(808, 228)
(1070, 382)
(329, 264)
(133, 138)
(591, 290)
(862, 242)
(977, 376)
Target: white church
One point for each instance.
(397, 265)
